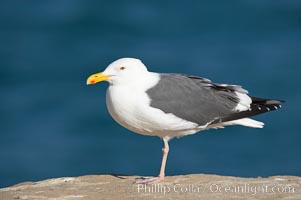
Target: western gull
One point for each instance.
(174, 105)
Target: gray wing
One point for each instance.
(199, 100)
(194, 98)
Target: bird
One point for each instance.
(171, 105)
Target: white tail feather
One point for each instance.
(246, 122)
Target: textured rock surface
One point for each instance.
(196, 186)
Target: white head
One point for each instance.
(121, 71)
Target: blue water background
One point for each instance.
(53, 125)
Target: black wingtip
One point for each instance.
(272, 101)
(256, 100)
(258, 106)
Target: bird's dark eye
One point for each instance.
(122, 68)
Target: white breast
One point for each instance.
(129, 105)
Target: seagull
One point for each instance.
(171, 105)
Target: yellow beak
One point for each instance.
(98, 77)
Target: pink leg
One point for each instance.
(165, 151)
(161, 176)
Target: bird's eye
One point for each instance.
(122, 68)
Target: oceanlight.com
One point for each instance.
(214, 188)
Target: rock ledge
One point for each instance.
(194, 186)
